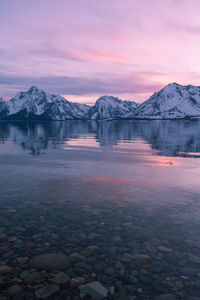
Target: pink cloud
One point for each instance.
(140, 45)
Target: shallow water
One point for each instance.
(133, 183)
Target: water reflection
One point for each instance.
(123, 189)
(167, 138)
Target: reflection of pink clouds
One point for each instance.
(163, 161)
(122, 180)
(100, 190)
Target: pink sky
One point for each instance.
(83, 49)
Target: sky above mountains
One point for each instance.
(84, 49)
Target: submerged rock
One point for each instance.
(32, 278)
(61, 278)
(77, 258)
(47, 291)
(94, 289)
(165, 297)
(50, 261)
(4, 269)
(3, 236)
(121, 294)
(15, 290)
(77, 281)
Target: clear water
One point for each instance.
(138, 180)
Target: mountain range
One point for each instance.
(174, 101)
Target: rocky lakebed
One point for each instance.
(63, 251)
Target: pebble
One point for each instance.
(99, 266)
(61, 278)
(50, 261)
(47, 291)
(15, 290)
(141, 256)
(165, 249)
(116, 239)
(76, 258)
(12, 238)
(188, 271)
(77, 281)
(24, 274)
(22, 260)
(119, 265)
(121, 294)
(94, 289)
(165, 297)
(3, 236)
(32, 278)
(4, 269)
(94, 236)
(109, 271)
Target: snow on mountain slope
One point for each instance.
(173, 101)
(37, 103)
(108, 107)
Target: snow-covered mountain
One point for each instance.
(173, 101)
(36, 104)
(108, 107)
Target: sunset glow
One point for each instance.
(84, 49)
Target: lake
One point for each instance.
(120, 198)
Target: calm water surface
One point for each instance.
(135, 184)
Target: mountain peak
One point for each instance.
(106, 97)
(34, 89)
(174, 83)
(173, 101)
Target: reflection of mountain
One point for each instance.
(171, 138)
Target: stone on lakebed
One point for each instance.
(94, 289)
(50, 261)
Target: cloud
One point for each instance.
(80, 86)
(87, 55)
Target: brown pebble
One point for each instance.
(1, 281)
(22, 260)
(77, 281)
(141, 256)
(83, 266)
(61, 278)
(119, 265)
(12, 238)
(99, 266)
(4, 269)
(34, 277)
(164, 249)
(109, 271)
(73, 240)
(112, 250)
(8, 254)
